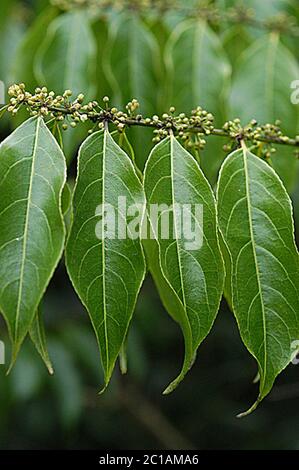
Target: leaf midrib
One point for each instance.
(71, 48)
(269, 81)
(244, 151)
(197, 51)
(103, 255)
(132, 64)
(175, 225)
(24, 246)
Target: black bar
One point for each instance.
(143, 459)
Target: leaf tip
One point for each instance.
(103, 389)
(173, 385)
(14, 355)
(47, 361)
(186, 367)
(107, 377)
(250, 410)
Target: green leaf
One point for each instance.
(66, 198)
(255, 219)
(3, 111)
(205, 55)
(268, 97)
(23, 65)
(235, 40)
(32, 175)
(100, 31)
(211, 158)
(133, 74)
(125, 144)
(106, 271)
(66, 59)
(56, 131)
(11, 34)
(199, 78)
(22, 70)
(190, 281)
(38, 337)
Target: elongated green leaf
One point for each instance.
(255, 219)
(268, 96)
(38, 337)
(100, 31)
(189, 278)
(133, 73)
(22, 68)
(235, 40)
(205, 56)
(66, 198)
(66, 59)
(199, 78)
(107, 270)
(32, 175)
(11, 34)
(125, 144)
